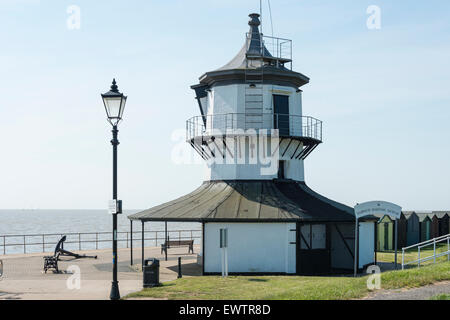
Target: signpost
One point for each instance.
(376, 208)
(112, 206)
(115, 206)
(224, 247)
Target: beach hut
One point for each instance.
(434, 230)
(443, 222)
(402, 231)
(255, 194)
(385, 234)
(425, 226)
(412, 228)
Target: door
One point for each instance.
(281, 114)
(413, 231)
(386, 237)
(314, 253)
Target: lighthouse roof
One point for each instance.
(253, 46)
(255, 50)
(250, 201)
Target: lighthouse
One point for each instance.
(253, 97)
(254, 138)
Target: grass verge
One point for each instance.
(412, 255)
(291, 288)
(441, 297)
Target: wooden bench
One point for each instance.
(177, 244)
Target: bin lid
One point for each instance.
(151, 261)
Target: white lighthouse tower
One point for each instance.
(253, 135)
(254, 97)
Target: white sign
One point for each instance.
(224, 248)
(378, 207)
(112, 206)
(223, 238)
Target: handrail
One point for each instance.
(427, 241)
(77, 238)
(279, 48)
(225, 123)
(424, 244)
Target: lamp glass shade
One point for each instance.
(122, 107)
(113, 106)
(114, 102)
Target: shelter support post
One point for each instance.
(165, 240)
(203, 248)
(131, 242)
(396, 242)
(356, 246)
(375, 242)
(142, 250)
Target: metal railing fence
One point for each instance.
(432, 242)
(35, 243)
(235, 123)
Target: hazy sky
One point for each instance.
(384, 96)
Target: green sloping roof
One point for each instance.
(253, 201)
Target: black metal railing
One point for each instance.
(240, 123)
(35, 243)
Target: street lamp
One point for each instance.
(114, 103)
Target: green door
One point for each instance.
(386, 237)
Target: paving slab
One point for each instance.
(23, 276)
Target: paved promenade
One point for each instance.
(23, 276)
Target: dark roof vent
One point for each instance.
(254, 20)
(255, 47)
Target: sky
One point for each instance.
(383, 95)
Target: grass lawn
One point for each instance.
(291, 288)
(441, 297)
(412, 255)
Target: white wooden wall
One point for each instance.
(231, 99)
(252, 247)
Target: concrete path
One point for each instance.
(23, 276)
(423, 293)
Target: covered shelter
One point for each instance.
(274, 227)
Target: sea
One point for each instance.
(35, 227)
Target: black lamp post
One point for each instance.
(114, 102)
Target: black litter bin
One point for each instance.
(151, 273)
